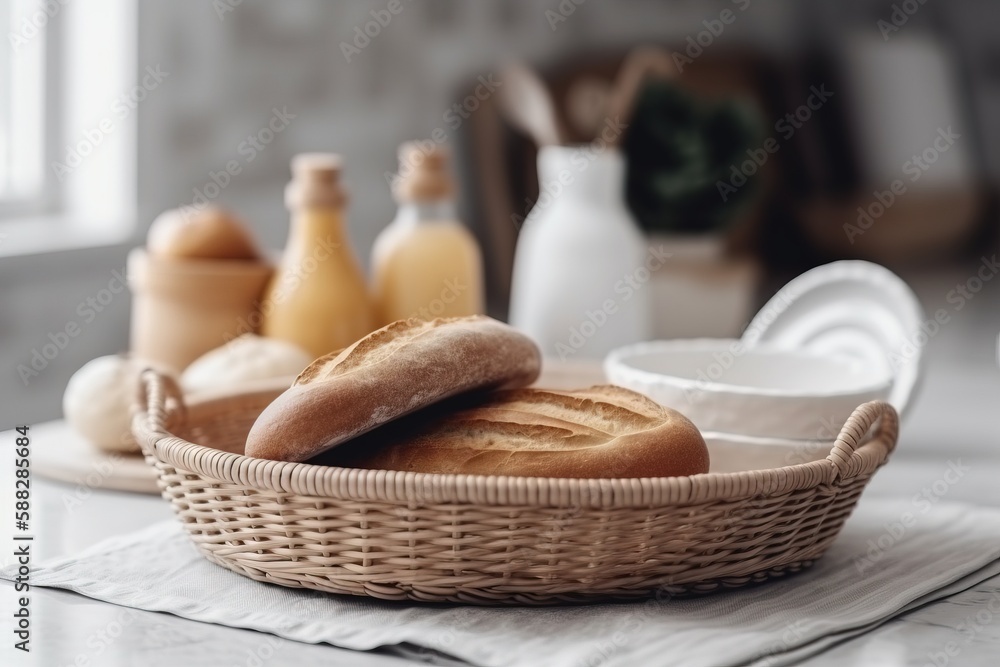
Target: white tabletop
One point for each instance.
(69, 627)
(954, 420)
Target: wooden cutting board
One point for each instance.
(60, 454)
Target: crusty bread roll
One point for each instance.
(603, 431)
(401, 368)
(208, 233)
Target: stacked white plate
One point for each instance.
(835, 337)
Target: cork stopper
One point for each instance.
(423, 173)
(315, 181)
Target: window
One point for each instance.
(24, 186)
(67, 160)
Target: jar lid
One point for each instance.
(315, 181)
(423, 173)
(852, 309)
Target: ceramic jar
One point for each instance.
(182, 308)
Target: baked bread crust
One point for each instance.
(600, 432)
(401, 368)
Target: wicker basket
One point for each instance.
(493, 540)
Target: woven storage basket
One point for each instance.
(493, 540)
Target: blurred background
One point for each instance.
(769, 137)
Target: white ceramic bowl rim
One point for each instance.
(868, 379)
(870, 281)
(768, 441)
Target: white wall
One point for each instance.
(227, 72)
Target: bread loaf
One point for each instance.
(394, 371)
(209, 233)
(603, 431)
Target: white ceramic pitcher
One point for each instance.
(582, 267)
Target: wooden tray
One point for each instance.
(59, 453)
(63, 455)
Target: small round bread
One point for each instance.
(600, 432)
(403, 367)
(208, 233)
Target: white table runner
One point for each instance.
(881, 565)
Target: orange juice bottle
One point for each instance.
(317, 298)
(425, 263)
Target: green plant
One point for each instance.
(678, 148)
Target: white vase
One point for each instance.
(582, 269)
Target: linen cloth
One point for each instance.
(891, 557)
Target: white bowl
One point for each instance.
(736, 453)
(724, 386)
(852, 309)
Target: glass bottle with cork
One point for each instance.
(425, 263)
(318, 298)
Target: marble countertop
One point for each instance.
(955, 419)
(73, 630)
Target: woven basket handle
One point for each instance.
(161, 400)
(846, 453)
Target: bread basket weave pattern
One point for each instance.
(492, 540)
